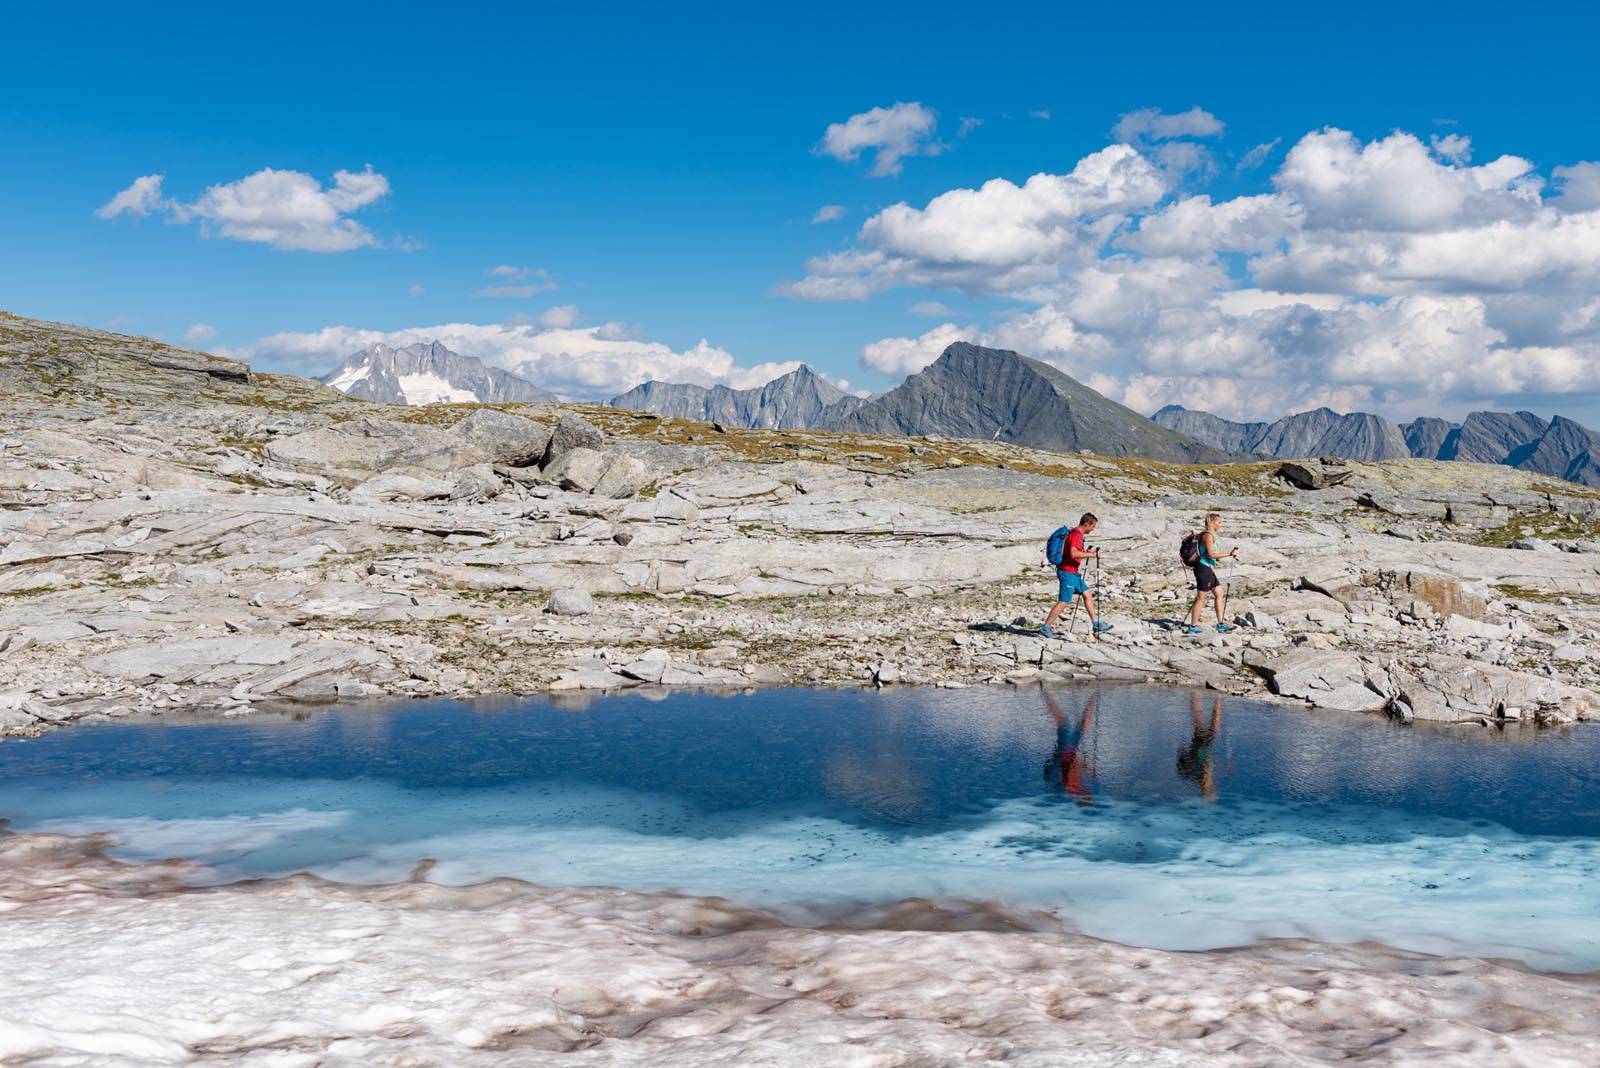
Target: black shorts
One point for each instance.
(1205, 579)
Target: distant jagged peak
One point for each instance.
(428, 372)
(797, 400)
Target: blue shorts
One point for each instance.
(1071, 583)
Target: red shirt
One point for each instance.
(1074, 541)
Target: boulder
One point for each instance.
(1260, 620)
(1325, 678)
(1536, 545)
(376, 445)
(578, 469)
(476, 483)
(570, 603)
(1410, 591)
(1313, 476)
(394, 486)
(624, 476)
(571, 433)
(1453, 689)
(509, 440)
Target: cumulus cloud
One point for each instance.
(891, 133)
(1455, 148)
(141, 198)
(287, 210)
(828, 213)
(561, 316)
(588, 363)
(1150, 124)
(1390, 274)
(199, 332)
(908, 355)
(1000, 238)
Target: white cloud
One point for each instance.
(1040, 113)
(1257, 155)
(933, 309)
(1580, 186)
(1001, 238)
(416, 290)
(596, 362)
(141, 198)
(199, 332)
(968, 124)
(1454, 148)
(561, 316)
(1150, 124)
(529, 280)
(1388, 274)
(828, 213)
(908, 355)
(287, 210)
(892, 133)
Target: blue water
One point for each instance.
(1152, 816)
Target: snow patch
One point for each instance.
(432, 389)
(115, 965)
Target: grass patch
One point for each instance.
(1549, 526)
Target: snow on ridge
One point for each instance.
(433, 389)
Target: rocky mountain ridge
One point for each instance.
(799, 400)
(1559, 447)
(998, 395)
(429, 373)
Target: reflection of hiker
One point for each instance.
(1067, 551)
(1199, 551)
(1197, 761)
(1067, 767)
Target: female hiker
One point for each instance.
(1205, 576)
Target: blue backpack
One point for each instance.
(1055, 550)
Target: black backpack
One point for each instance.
(1191, 548)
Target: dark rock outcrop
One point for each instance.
(995, 394)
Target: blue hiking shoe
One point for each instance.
(1225, 628)
(1190, 628)
(1046, 632)
(1101, 628)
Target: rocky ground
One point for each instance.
(178, 535)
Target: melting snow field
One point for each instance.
(1128, 876)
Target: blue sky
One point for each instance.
(659, 172)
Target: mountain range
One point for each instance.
(799, 400)
(1559, 446)
(429, 373)
(968, 392)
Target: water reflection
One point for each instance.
(1197, 761)
(1068, 766)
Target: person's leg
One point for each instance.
(1221, 595)
(1055, 613)
(1194, 609)
(1088, 604)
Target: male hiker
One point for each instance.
(1068, 543)
(1199, 551)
